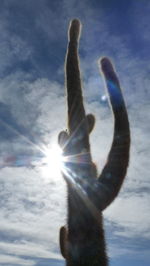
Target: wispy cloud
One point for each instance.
(13, 260)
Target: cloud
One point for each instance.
(12, 260)
(126, 211)
(29, 215)
(25, 249)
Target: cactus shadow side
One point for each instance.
(82, 241)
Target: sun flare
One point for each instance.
(52, 162)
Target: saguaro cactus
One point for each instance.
(82, 241)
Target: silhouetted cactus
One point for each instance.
(82, 241)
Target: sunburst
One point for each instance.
(52, 162)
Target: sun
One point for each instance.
(52, 162)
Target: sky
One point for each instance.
(33, 197)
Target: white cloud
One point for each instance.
(27, 249)
(132, 213)
(32, 211)
(12, 260)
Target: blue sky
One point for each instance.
(33, 111)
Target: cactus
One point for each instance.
(82, 241)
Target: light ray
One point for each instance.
(22, 136)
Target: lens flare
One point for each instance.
(52, 162)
